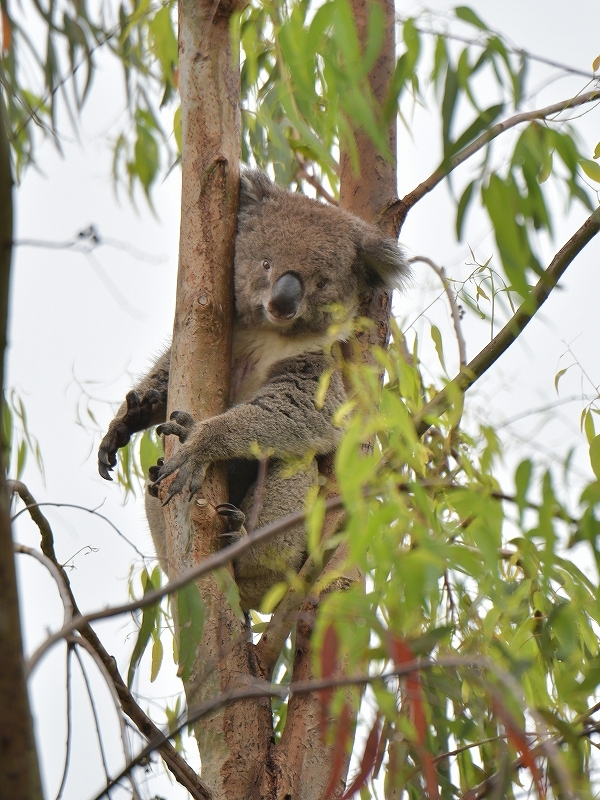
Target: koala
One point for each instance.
(296, 261)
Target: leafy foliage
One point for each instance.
(476, 625)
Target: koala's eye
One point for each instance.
(265, 264)
(322, 283)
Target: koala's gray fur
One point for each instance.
(295, 259)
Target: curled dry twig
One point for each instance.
(454, 307)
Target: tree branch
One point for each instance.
(398, 209)
(180, 769)
(547, 746)
(514, 327)
(219, 559)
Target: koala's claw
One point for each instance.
(234, 517)
(136, 418)
(181, 425)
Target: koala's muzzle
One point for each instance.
(286, 297)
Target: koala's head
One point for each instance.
(295, 256)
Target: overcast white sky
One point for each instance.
(81, 323)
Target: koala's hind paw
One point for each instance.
(234, 519)
(137, 417)
(181, 426)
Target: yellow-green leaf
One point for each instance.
(157, 656)
(591, 169)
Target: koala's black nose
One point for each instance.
(286, 296)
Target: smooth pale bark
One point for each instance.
(234, 741)
(19, 771)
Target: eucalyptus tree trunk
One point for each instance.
(233, 741)
(239, 758)
(19, 771)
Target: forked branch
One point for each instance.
(180, 769)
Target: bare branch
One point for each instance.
(220, 559)
(514, 327)
(20, 487)
(180, 769)
(454, 308)
(317, 186)
(397, 210)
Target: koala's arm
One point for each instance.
(144, 406)
(281, 418)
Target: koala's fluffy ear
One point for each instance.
(255, 187)
(383, 261)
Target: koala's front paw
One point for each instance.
(188, 462)
(137, 417)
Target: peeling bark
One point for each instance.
(234, 740)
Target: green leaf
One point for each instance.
(149, 620)
(150, 451)
(483, 121)
(463, 204)
(448, 107)
(588, 426)
(591, 169)
(595, 455)
(467, 15)
(190, 613)
(437, 340)
(21, 457)
(558, 376)
(157, 657)
(597, 151)
(522, 479)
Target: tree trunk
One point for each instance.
(19, 771)
(233, 741)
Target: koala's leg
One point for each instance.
(268, 563)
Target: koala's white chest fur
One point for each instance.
(256, 351)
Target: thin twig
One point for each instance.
(56, 573)
(80, 641)
(180, 769)
(513, 328)
(454, 308)
(398, 209)
(23, 492)
(317, 186)
(69, 727)
(518, 51)
(90, 695)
